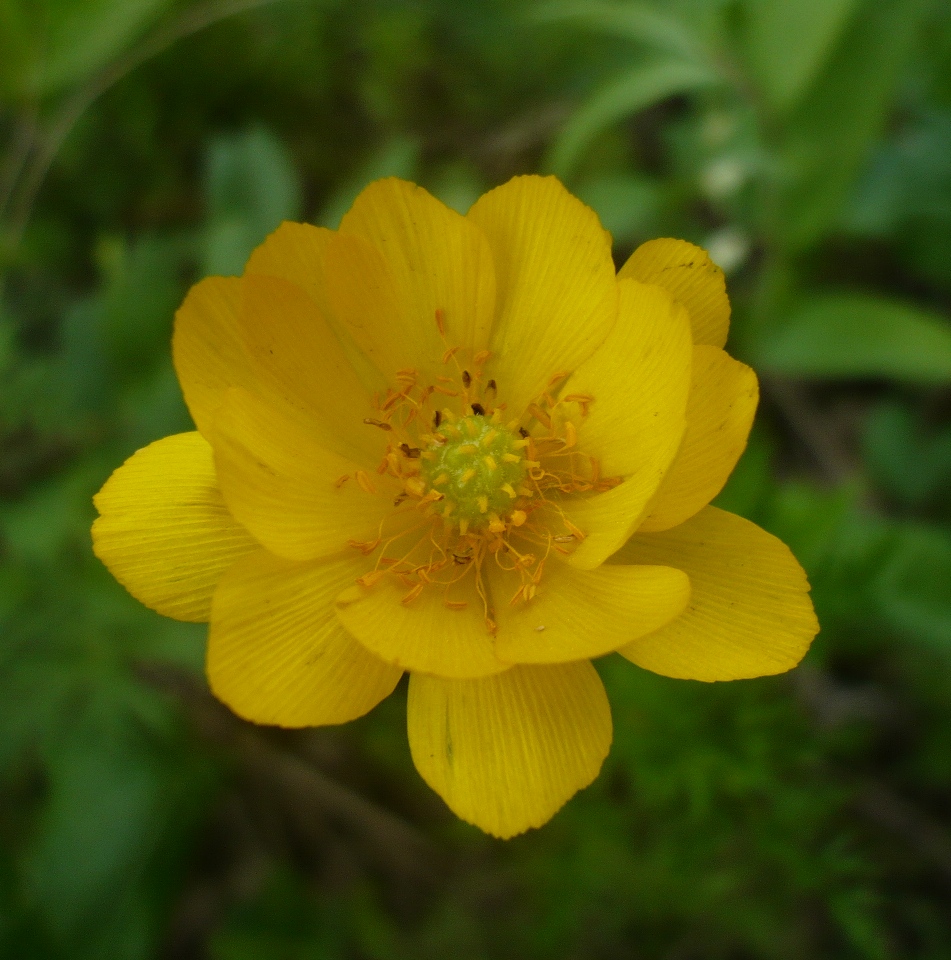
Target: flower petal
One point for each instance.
(688, 273)
(639, 380)
(720, 411)
(578, 614)
(276, 651)
(285, 487)
(207, 346)
(507, 752)
(439, 259)
(556, 287)
(296, 252)
(296, 356)
(367, 300)
(422, 635)
(749, 613)
(606, 519)
(164, 531)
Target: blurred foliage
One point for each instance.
(807, 143)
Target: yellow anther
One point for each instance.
(466, 477)
(463, 527)
(571, 435)
(442, 478)
(371, 578)
(364, 481)
(472, 428)
(469, 449)
(482, 356)
(488, 438)
(413, 594)
(510, 490)
(518, 518)
(483, 503)
(511, 457)
(340, 481)
(489, 461)
(415, 487)
(495, 524)
(579, 534)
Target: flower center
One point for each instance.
(477, 466)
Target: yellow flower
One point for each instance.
(465, 448)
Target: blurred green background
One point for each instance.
(807, 144)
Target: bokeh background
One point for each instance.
(807, 143)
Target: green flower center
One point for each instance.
(477, 466)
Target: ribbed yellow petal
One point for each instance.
(688, 273)
(507, 752)
(207, 346)
(638, 380)
(578, 614)
(365, 298)
(296, 252)
(296, 356)
(286, 488)
(422, 634)
(607, 519)
(276, 651)
(556, 289)
(723, 399)
(749, 613)
(164, 531)
(439, 260)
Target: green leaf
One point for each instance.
(857, 336)
(833, 128)
(783, 69)
(639, 22)
(98, 829)
(913, 588)
(909, 461)
(627, 204)
(56, 43)
(634, 90)
(251, 186)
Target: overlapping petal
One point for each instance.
(164, 531)
(277, 652)
(207, 346)
(439, 261)
(423, 634)
(579, 614)
(300, 500)
(749, 613)
(555, 281)
(506, 752)
(690, 276)
(720, 411)
(296, 252)
(639, 381)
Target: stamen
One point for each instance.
(364, 481)
(370, 422)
